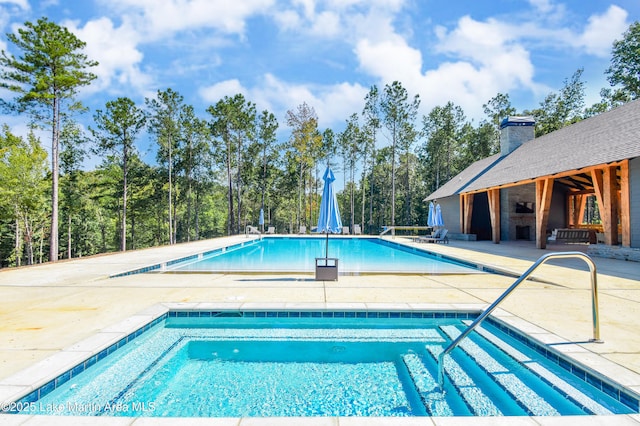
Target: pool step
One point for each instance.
(479, 403)
(581, 399)
(430, 394)
(513, 385)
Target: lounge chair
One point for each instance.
(424, 238)
(251, 230)
(441, 238)
(357, 230)
(271, 230)
(303, 229)
(345, 230)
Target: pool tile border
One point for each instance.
(31, 384)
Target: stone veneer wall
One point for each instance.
(614, 252)
(509, 219)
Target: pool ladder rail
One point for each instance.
(521, 279)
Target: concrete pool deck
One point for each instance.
(50, 307)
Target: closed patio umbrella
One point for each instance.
(431, 214)
(437, 217)
(261, 220)
(329, 217)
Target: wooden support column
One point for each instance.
(610, 182)
(576, 209)
(466, 211)
(544, 190)
(581, 209)
(494, 213)
(606, 189)
(625, 204)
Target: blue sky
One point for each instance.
(280, 53)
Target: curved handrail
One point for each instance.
(523, 277)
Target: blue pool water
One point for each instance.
(244, 364)
(356, 255)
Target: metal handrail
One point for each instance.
(494, 305)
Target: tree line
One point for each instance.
(216, 170)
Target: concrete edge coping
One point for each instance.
(22, 383)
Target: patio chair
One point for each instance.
(424, 238)
(357, 230)
(303, 229)
(271, 230)
(345, 230)
(442, 238)
(251, 230)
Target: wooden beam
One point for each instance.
(581, 208)
(625, 204)
(544, 190)
(605, 188)
(467, 212)
(584, 170)
(494, 213)
(610, 182)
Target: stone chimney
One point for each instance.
(514, 131)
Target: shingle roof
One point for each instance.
(464, 178)
(609, 137)
(605, 138)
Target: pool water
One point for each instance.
(264, 364)
(356, 255)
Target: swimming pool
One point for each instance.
(202, 363)
(298, 254)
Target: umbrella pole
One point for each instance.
(326, 248)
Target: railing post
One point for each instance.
(523, 277)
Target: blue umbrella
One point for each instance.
(329, 217)
(261, 220)
(437, 218)
(430, 217)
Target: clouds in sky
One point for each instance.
(280, 53)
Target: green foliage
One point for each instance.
(23, 188)
(233, 125)
(398, 113)
(116, 131)
(561, 109)
(49, 71)
(624, 70)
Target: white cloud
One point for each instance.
(484, 60)
(23, 4)
(389, 60)
(116, 51)
(159, 19)
(332, 103)
(602, 30)
(214, 93)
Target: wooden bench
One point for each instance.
(573, 236)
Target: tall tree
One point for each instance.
(267, 127)
(233, 121)
(306, 142)
(194, 159)
(72, 139)
(370, 128)
(625, 63)
(350, 144)
(558, 110)
(443, 128)
(397, 110)
(496, 109)
(49, 72)
(22, 176)
(164, 123)
(117, 128)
